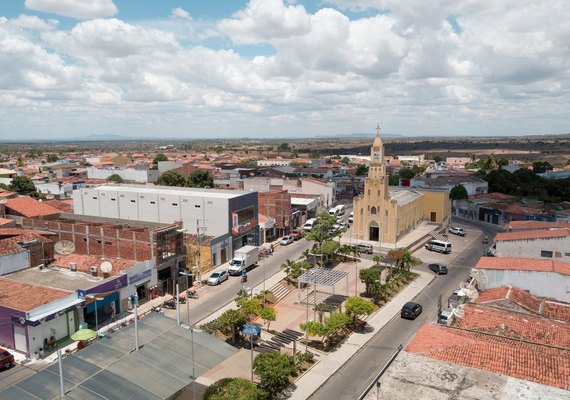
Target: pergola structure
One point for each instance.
(321, 276)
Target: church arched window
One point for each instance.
(373, 210)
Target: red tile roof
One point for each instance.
(4, 194)
(10, 245)
(7, 221)
(29, 207)
(27, 296)
(515, 325)
(22, 231)
(519, 225)
(524, 264)
(84, 263)
(529, 235)
(65, 206)
(529, 361)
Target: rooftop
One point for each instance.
(534, 362)
(524, 264)
(191, 192)
(529, 235)
(520, 225)
(404, 196)
(25, 296)
(29, 207)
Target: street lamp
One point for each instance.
(187, 288)
(92, 296)
(307, 316)
(192, 330)
(250, 290)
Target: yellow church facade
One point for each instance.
(384, 216)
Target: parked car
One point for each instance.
(286, 240)
(339, 219)
(439, 269)
(411, 310)
(485, 239)
(365, 248)
(296, 234)
(217, 277)
(6, 359)
(351, 217)
(457, 231)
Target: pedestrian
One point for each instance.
(271, 248)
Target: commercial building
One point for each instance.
(228, 217)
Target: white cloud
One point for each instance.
(180, 13)
(78, 9)
(34, 23)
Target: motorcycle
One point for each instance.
(244, 278)
(170, 303)
(192, 294)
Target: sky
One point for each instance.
(192, 69)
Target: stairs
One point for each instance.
(279, 291)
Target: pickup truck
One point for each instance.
(245, 258)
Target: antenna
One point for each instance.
(64, 247)
(106, 267)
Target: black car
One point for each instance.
(411, 310)
(439, 269)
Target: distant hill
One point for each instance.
(359, 135)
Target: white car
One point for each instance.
(217, 277)
(457, 231)
(286, 240)
(351, 217)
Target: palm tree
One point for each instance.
(404, 258)
(287, 267)
(377, 260)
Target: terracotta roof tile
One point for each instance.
(27, 296)
(524, 264)
(22, 231)
(7, 221)
(11, 246)
(533, 362)
(519, 225)
(84, 263)
(529, 235)
(29, 207)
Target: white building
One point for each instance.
(128, 174)
(545, 278)
(273, 162)
(548, 243)
(228, 216)
(448, 181)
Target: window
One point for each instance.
(112, 199)
(373, 210)
(94, 198)
(185, 200)
(546, 253)
(197, 205)
(245, 215)
(133, 201)
(566, 254)
(175, 204)
(142, 197)
(153, 202)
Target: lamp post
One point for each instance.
(91, 296)
(250, 290)
(187, 288)
(307, 316)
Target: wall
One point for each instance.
(128, 174)
(543, 284)
(532, 248)
(14, 262)
(438, 202)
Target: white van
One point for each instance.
(333, 211)
(340, 209)
(439, 245)
(309, 224)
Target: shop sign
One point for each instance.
(140, 276)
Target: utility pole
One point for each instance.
(199, 234)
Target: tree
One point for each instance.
(406, 173)
(200, 178)
(361, 170)
(345, 161)
(458, 192)
(171, 178)
(314, 155)
(357, 307)
(159, 157)
(51, 158)
(539, 167)
(404, 258)
(334, 324)
(274, 370)
(231, 322)
(248, 306)
(287, 267)
(233, 388)
(377, 259)
(369, 276)
(437, 158)
(115, 178)
(283, 147)
(393, 180)
(378, 292)
(268, 315)
(22, 185)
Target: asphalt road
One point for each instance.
(353, 378)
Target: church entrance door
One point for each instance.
(374, 234)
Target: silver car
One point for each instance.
(217, 277)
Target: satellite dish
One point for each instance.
(64, 247)
(479, 276)
(106, 267)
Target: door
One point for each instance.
(433, 216)
(223, 255)
(20, 342)
(374, 233)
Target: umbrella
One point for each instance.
(251, 329)
(84, 334)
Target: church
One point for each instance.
(383, 215)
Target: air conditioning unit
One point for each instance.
(73, 266)
(94, 269)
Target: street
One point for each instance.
(351, 380)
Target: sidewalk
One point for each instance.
(328, 365)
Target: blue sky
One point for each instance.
(274, 68)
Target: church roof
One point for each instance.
(404, 196)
